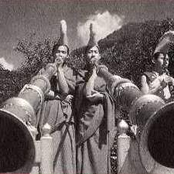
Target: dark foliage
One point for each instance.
(126, 52)
(36, 55)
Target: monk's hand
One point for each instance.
(164, 80)
(167, 79)
(59, 63)
(69, 98)
(94, 62)
(95, 97)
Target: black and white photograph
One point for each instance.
(87, 86)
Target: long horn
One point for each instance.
(17, 117)
(154, 120)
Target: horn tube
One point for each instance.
(154, 120)
(17, 117)
(157, 140)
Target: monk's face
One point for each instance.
(61, 53)
(162, 61)
(93, 55)
(166, 61)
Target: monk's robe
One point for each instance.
(95, 129)
(57, 112)
(152, 80)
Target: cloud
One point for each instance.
(6, 65)
(103, 24)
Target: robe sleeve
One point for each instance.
(70, 77)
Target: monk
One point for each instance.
(95, 116)
(57, 110)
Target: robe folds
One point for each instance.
(57, 112)
(95, 130)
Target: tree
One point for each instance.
(126, 52)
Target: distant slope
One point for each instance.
(126, 52)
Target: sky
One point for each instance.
(20, 18)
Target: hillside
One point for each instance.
(126, 52)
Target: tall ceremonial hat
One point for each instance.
(165, 42)
(63, 40)
(92, 37)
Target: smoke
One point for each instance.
(5, 64)
(103, 24)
